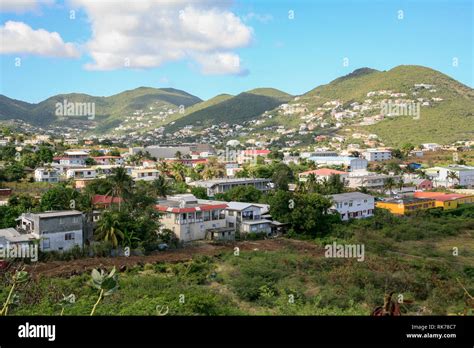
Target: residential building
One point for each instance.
(406, 205)
(56, 230)
(81, 173)
(323, 174)
(223, 185)
(353, 205)
(352, 163)
(446, 200)
(431, 147)
(193, 219)
(369, 180)
(450, 176)
(376, 155)
(108, 160)
(47, 175)
(422, 184)
(148, 174)
(247, 217)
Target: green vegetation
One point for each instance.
(411, 256)
(243, 107)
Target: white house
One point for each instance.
(148, 174)
(353, 163)
(47, 175)
(56, 230)
(81, 173)
(223, 185)
(376, 155)
(441, 176)
(247, 217)
(193, 219)
(353, 205)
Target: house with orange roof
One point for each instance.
(446, 200)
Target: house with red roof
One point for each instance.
(322, 174)
(446, 200)
(192, 219)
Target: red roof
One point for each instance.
(104, 199)
(202, 207)
(324, 172)
(257, 152)
(439, 196)
(106, 157)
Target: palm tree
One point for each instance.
(121, 184)
(452, 176)
(177, 170)
(109, 229)
(163, 167)
(213, 169)
(389, 184)
(160, 186)
(401, 182)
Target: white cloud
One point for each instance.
(149, 33)
(21, 6)
(18, 37)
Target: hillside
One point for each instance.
(448, 117)
(108, 110)
(243, 107)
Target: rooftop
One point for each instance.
(350, 195)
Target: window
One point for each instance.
(61, 221)
(215, 214)
(46, 243)
(221, 214)
(75, 219)
(207, 216)
(198, 215)
(69, 236)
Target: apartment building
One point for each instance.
(47, 175)
(376, 155)
(81, 173)
(352, 163)
(148, 174)
(193, 219)
(353, 205)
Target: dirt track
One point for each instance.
(68, 268)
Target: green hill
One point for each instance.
(443, 122)
(109, 110)
(224, 108)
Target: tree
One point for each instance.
(90, 161)
(282, 176)
(452, 176)
(45, 154)
(59, 197)
(199, 192)
(213, 169)
(109, 228)
(177, 171)
(12, 172)
(121, 184)
(389, 184)
(178, 155)
(160, 187)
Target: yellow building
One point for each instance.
(446, 201)
(406, 205)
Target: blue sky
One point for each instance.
(261, 47)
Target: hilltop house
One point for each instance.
(443, 176)
(376, 155)
(352, 163)
(247, 217)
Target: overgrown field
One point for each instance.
(413, 257)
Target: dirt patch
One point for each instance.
(75, 267)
